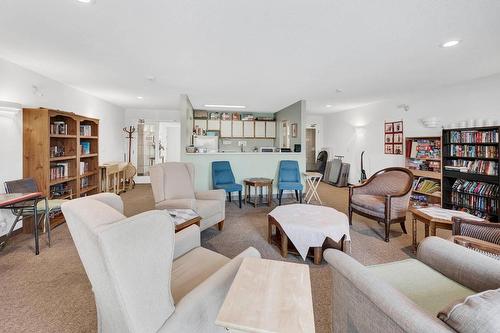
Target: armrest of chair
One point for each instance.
(357, 294)
(110, 199)
(176, 203)
(467, 267)
(196, 312)
(486, 231)
(186, 240)
(211, 195)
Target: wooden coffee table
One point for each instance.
(184, 218)
(258, 183)
(268, 296)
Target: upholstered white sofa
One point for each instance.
(146, 278)
(173, 187)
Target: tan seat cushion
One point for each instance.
(370, 202)
(208, 208)
(428, 288)
(192, 269)
(475, 313)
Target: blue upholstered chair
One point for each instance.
(223, 178)
(289, 179)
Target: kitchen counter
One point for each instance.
(244, 165)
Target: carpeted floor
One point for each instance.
(51, 293)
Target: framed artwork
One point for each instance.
(389, 138)
(393, 137)
(294, 130)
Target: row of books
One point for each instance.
(427, 186)
(85, 130)
(479, 166)
(474, 212)
(84, 167)
(424, 149)
(59, 170)
(59, 128)
(477, 188)
(474, 136)
(473, 151)
(60, 191)
(84, 147)
(84, 182)
(483, 204)
(424, 165)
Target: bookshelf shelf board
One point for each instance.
(471, 158)
(62, 158)
(88, 155)
(86, 137)
(88, 189)
(67, 196)
(88, 173)
(61, 180)
(425, 159)
(471, 176)
(63, 136)
(472, 143)
(435, 194)
(426, 174)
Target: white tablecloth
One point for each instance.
(308, 226)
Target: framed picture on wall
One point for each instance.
(389, 138)
(398, 138)
(398, 149)
(398, 127)
(388, 149)
(294, 130)
(388, 127)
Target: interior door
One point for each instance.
(310, 149)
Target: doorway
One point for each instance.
(310, 149)
(157, 142)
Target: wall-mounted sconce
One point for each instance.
(431, 122)
(9, 108)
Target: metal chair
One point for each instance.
(47, 207)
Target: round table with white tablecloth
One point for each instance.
(307, 229)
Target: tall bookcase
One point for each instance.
(61, 152)
(470, 170)
(423, 158)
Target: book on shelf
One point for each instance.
(474, 136)
(84, 182)
(84, 167)
(59, 128)
(482, 167)
(475, 188)
(482, 206)
(85, 147)
(59, 170)
(427, 186)
(85, 130)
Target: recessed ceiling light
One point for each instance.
(86, 1)
(338, 91)
(225, 106)
(328, 105)
(140, 97)
(451, 43)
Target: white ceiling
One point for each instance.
(262, 54)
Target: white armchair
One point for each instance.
(146, 278)
(173, 187)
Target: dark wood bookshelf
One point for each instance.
(462, 200)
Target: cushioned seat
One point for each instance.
(373, 204)
(291, 186)
(429, 289)
(229, 187)
(208, 210)
(53, 204)
(192, 269)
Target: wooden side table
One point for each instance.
(258, 183)
(430, 224)
(184, 218)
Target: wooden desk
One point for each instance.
(269, 296)
(258, 183)
(116, 170)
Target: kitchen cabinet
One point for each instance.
(237, 129)
(270, 129)
(213, 125)
(260, 129)
(249, 129)
(226, 128)
(200, 123)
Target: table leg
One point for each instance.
(318, 255)
(35, 225)
(256, 199)
(245, 201)
(433, 228)
(284, 244)
(414, 232)
(269, 194)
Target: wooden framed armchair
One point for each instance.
(384, 197)
(483, 237)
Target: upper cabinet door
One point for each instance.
(237, 129)
(260, 129)
(214, 125)
(270, 129)
(201, 123)
(225, 128)
(249, 129)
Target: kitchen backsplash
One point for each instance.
(232, 144)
